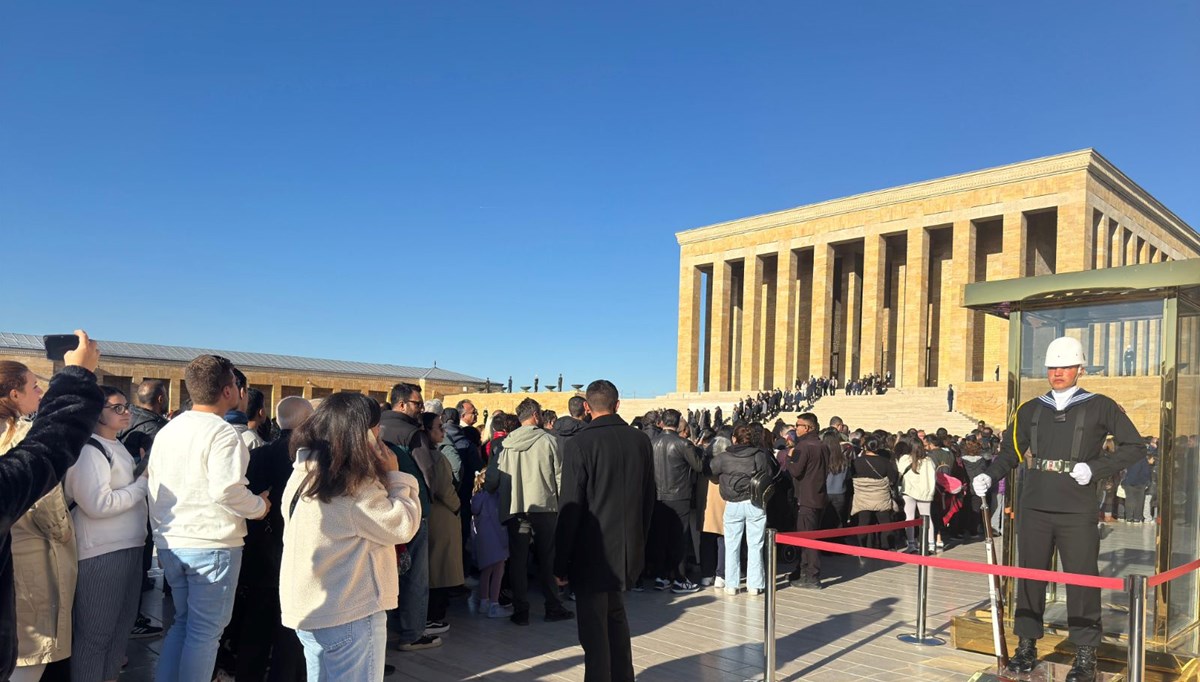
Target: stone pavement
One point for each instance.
(844, 632)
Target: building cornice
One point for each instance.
(1071, 162)
(1104, 171)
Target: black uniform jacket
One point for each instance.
(604, 506)
(1057, 492)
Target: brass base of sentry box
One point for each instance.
(973, 632)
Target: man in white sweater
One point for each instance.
(199, 504)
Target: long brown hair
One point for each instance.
(337, 436)
(909, 445)
(13, 376)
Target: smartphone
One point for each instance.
(57, 345)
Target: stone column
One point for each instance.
(785, 315)
(959, 356)
(175, 393)
(1102, 245)
(874, 271)
(916, 309)
(718, 368)
(750, 377)
(853, 313)
(1012, 265)
(276, 396)
(687, 367)
(1074, 221)
(822, 309)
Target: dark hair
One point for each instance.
(836, 421)
(810, 419)
(670, 418)
(240, 378)
(910, 445)
(511, 423)
(13, 376)
(636, 423)
(450, 416)
(109, 391)
(575, 406)
(401, 392)
(336, 433)
(602, 396)
(499, 422)
(835, 455)
(743, 434)
(430, 420)
(254, 402)
(149, 391)
(548, 418)
(875, 442)
(205, 378)
(527, 408)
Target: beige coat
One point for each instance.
(714, 511)
(45, 566)
(445, 529)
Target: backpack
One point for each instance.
(765, 482)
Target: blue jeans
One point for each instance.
(414, 589)
(203, 583)
(354, 651)
(743, 518)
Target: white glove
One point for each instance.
(982, 484)
(1082, 473)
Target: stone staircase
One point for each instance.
(898, 409)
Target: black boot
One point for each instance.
(1025, 657)
(1084, 669)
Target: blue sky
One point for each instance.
(496, 186)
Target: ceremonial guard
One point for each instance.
(1059, 437)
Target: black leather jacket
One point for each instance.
(676, 463)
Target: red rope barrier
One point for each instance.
(1167, 576)
(796, 540)
(855, 530)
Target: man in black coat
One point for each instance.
(604, 509)
(806, 464)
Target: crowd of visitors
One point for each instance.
(301, 545)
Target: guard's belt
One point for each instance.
(1061, 466)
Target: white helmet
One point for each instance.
(1064, 351)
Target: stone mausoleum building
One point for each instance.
(874, 282)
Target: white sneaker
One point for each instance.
(706, 582)
(731, 591)
(718, 582)
(482, 607)
(754, 592)
(498, 611)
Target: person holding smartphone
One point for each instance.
(35, 456)
(346, 507)
(108, 507)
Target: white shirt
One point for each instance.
(110, 511)
(1061, 398)
(198, 493)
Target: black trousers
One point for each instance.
(536, 528)
(1077, 540)
(1135, 503)
(809, 566)
(439, 603)
(677, 557)
(604, 635)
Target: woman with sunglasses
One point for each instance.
(108, 506)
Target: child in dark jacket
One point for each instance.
(491, 548)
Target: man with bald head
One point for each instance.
(261, 639)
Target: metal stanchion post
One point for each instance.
(1135, 586)
(921, 637)
(772, 558)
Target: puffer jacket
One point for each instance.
(676, 464)
(735, 468)
(918, 485)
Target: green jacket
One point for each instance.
(527, 473)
